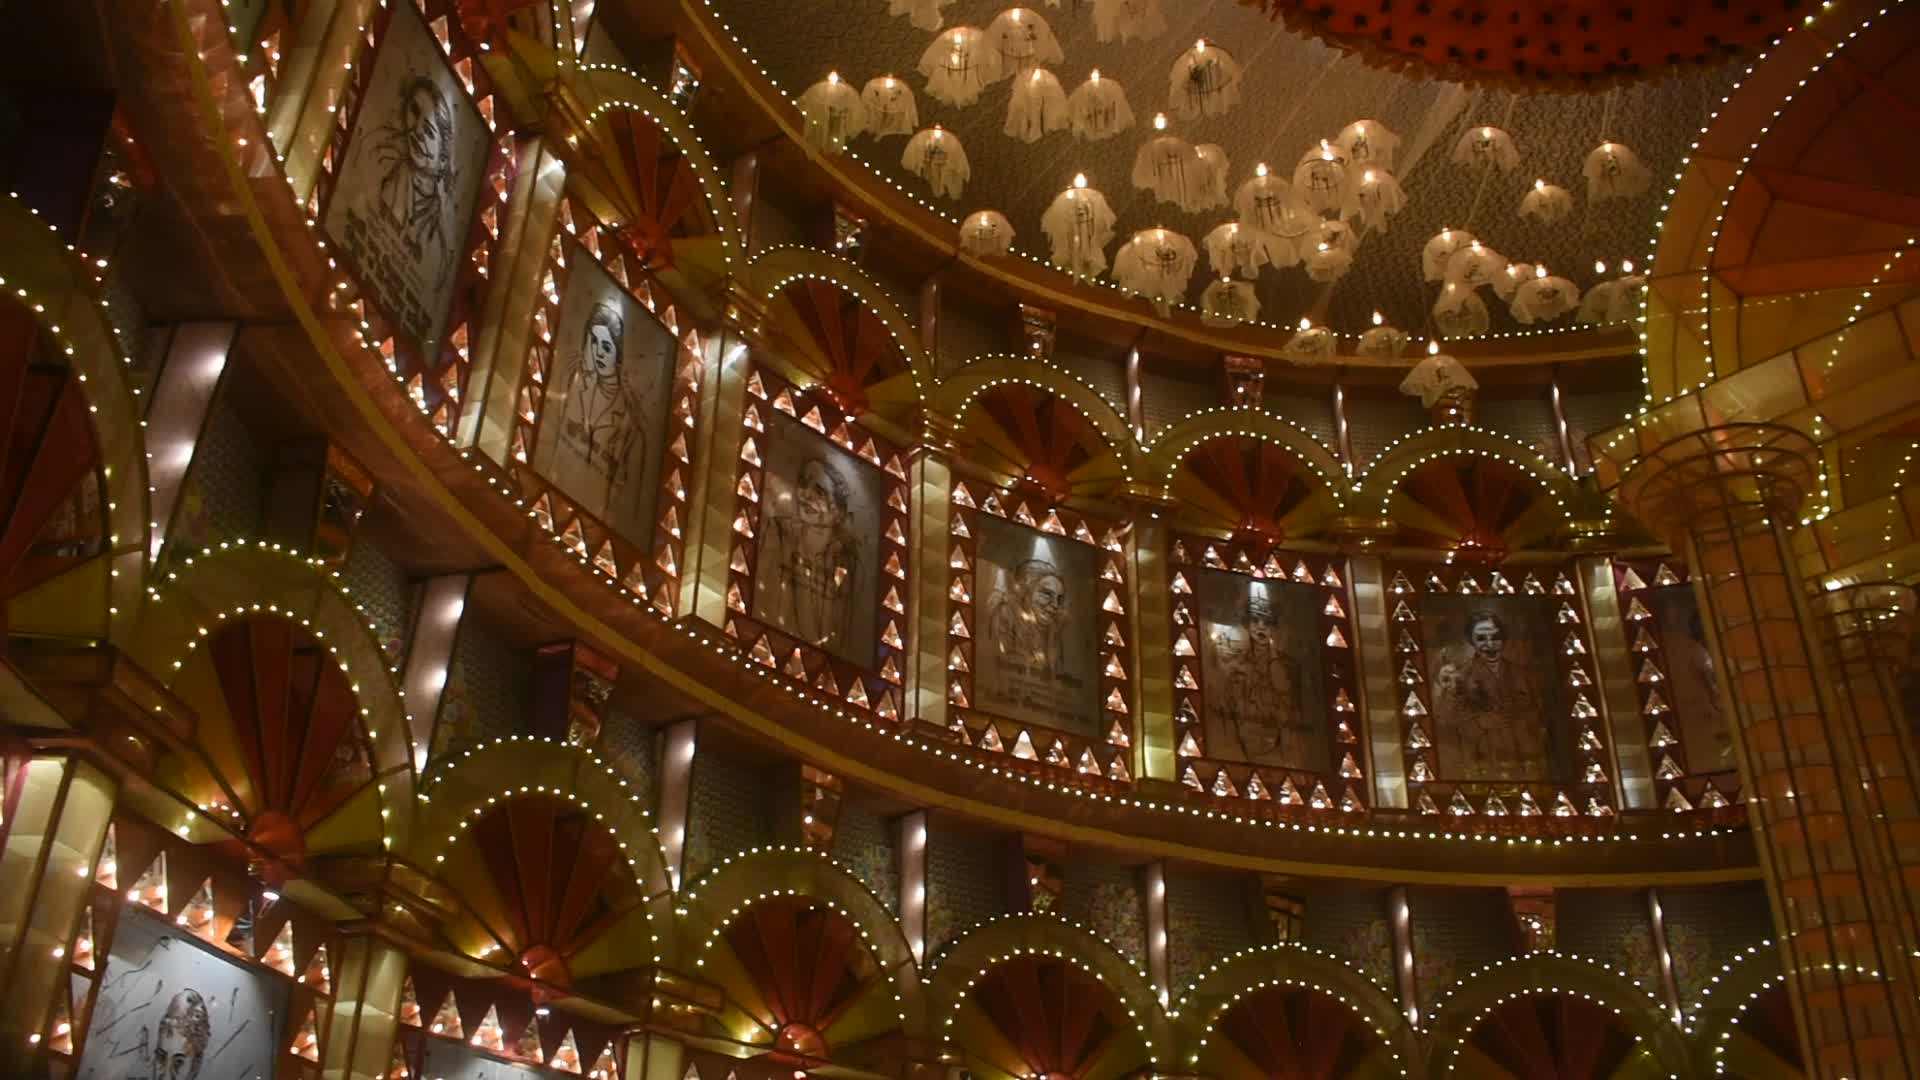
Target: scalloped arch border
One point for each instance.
(1174, 446)
(1380, 481)
(1461, 1007)
(776, 268)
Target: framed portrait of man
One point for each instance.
(603, 427)
(1693, 691)
(1497, 708)
(1036, 646)
(403, 204)
(170, 1005)
(1266, 700)
(817, 569)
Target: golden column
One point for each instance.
(1823, 755)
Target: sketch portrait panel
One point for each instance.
(1260, 664)
(603, 428)
(1496, 690)
(404, 201)
(1691, 690)
(817, 570)
(1036, 645)
(171, 1006)
(448, 1059)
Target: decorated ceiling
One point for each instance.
(1278, 95)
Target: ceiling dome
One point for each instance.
(1578, 41)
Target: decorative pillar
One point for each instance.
(930, 491)
(676, 794)
(1825, 764)
(1669, 984)
(1619, 695)
(423, 679)
(711, 495)
(1379, 693)
(571, 684)
(368, 976)
(505, 322)
(177, 412)
(1153, 896)
(1149, 615)
(52, 834)
(912, 846)
(316, 66)
(314, 498)
(929, 318)
(1400, 919)
(657, 1057)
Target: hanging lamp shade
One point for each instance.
(1459, 312)
(1546, 203)
(890, 106)
(1204, 81)
(1175, 171)
(1433, 258)
(1544, 297)
(1311, 344)
(1614, 171)
(1487, 147)
(1368, 142)
(1127, 20)
(1327, 263)
(1037, 106)
(986, 233)
(924, 14)
(1614, 301)
(1227, 302)
(1435, 376)
(1474, 265)
(1320, 182)
(1156, 263)
(1265, 201)
(1079, 226)
(1097, 109)
(959, 64)
(834, 113)
(1024, 40)
(1239, 249)
(1376, 197)
(1382, 342)
(1509, 278)
(936, 156)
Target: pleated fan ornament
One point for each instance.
(1024, 40)
(1546, 203)
(1204, 81)
(1368, 142)
(1226, 302)
(959, 64)
(1037, 106)
(1127, 20)
(1435, 376)
(1433, 258)
(924, 14)
(1097, 109)
(1234, 248)
(1156, 263)
(936, 156)
(890, 106)
(1459, 312)
(834, 113)
(1614, 171)
(1487, 146)
(1377, 197)
(1079, 226)
(986, 233)
(1175, 171)
(1613, 301)
(1265, 202)
(1544, 297)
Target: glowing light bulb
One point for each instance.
(1036, 75)
(1540, 185)
(1379, 319)
(1539, 271)
(1306, 323)
(1433, 348)
(1486, 133)
(1599, 266)
(1200, 46)
(1079, 180)
(833, 77)
(1367, 177)
(1159, 121)
(1260, 169)
(1095, 77)
(1626, 266)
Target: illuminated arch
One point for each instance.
(1458, 1010)
(239, 580)
(1252, 486)
(957, 392)
(1385, 479)
(1023, 421)
(709, 904)
(1200, 1001)
(774, 269)
(460, 791)
(46, 276)
(1167, 453)
(970, 957)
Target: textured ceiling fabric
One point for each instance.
(1294, 91)
(1525, 43)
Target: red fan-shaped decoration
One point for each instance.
(280, 726)
(1057, 1020)
(489, 20)
(843, 344)
(1292, 1033)
(544, 879)
(1253, 488)
(654, 190)
(1029, 435)
(1481, 508)
(809, 978)
(50, 477)
(1554, 1037)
